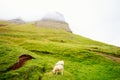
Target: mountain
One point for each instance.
(54, 20)
(28, 52)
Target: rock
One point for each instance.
(17, 21)
(54, 20)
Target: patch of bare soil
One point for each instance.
(2, 25)
(113, 58)
(22, 59)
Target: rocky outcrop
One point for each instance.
(17, 21)
(53, 24)
(53, 20)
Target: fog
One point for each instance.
(56, 16)
(95, 19)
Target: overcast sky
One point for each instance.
(95, 19)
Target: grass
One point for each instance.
(48, 46)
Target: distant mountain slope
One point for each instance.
(49, 45)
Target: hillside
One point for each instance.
(84, 58)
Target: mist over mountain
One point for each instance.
(55, 16)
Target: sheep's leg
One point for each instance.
(56, 72)
(62, 72)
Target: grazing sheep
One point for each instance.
(58, 68)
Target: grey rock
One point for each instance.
(17, 21)
(53, 20)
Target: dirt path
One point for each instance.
(113, 58)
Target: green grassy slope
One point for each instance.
(48, 46)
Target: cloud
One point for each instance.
(54, 16)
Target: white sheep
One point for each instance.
(58, 67)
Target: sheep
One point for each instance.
(58, 68)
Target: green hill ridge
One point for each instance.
(47, 46)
